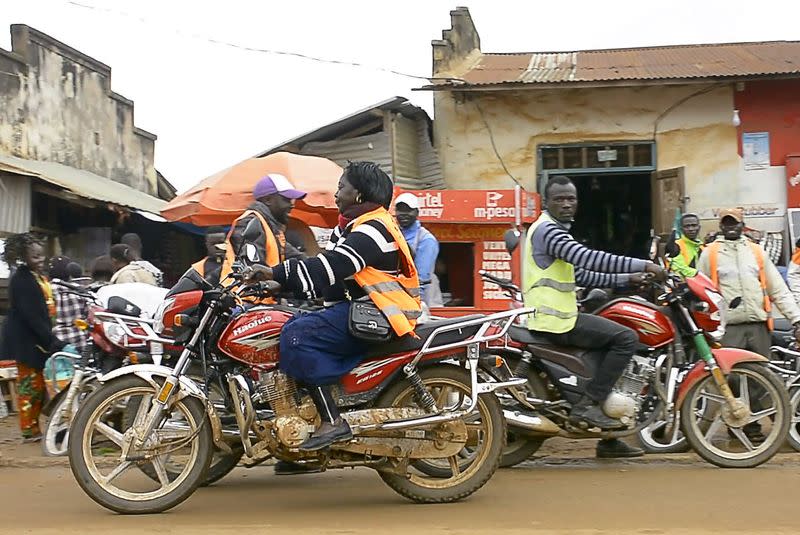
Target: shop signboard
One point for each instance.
(475, 206)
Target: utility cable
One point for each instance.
(494, 145)
(275, 52)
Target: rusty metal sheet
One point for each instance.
(653, 63)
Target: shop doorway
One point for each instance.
(614, 212)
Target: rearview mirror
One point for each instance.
(512, 238)
(671, 248)
(653, 250)
(252, 231)
(250, 252)
(250, 234)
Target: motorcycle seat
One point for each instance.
(424, 331)
(528, 337)
(120, 305)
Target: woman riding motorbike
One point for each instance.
(366, 256)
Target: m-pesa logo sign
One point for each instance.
(493, 208)
(472, 206)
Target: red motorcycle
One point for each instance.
(118, 335)
(417, 406)
(680, 377)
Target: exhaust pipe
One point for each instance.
(531, 422)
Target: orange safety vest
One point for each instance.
(713, 257)
(397, 296)
(271, 248)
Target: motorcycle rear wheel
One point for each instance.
(487, 423)
(729, 446)
(90, 454)
(793, 437)
(659, 438)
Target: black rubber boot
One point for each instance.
(333, 428)
(589, 411)
(614, 448)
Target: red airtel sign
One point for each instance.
(474, 206)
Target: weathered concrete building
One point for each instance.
(641, 131)
(73, 165)
(56, 105)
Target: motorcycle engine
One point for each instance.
(291, 420)
(626, 398)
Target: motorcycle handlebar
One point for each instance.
(503, 283)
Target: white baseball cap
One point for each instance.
(409, 199)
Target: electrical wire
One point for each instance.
(494, 145)
(275, 52)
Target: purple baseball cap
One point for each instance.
(275, 183)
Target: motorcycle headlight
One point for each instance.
(721, 314)
(158, 318)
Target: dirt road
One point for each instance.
(652, 498)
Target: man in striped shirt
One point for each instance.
(556, 265)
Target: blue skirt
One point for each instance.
(317, 348)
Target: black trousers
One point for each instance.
(594, 332)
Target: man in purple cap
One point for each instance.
(274, 199)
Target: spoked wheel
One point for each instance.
(454, 478)
(519, 446)
(55, 428)
(662, 436)
(222, 463)
(747, 436)
(793, 438)
(105, 459)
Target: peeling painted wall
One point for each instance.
(697, 134)
(56, 105)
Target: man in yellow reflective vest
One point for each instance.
(554, 264)
(688, 247)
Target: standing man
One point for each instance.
(793, 272)
(554, 264)
(684, 263)
(424, 247)
(126, 269)
(210, 267)
(134, 242)
(743, 272)
(274, 199)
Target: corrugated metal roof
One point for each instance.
(726, 60)
(348, 123)
(83, 183)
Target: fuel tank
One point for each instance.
(253, 336)
(653, 327)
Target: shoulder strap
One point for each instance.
(758, 252)
(713, 262)
(384, 217)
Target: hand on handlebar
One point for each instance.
(797, 331)
(641, 279)
(257, 273)
(658, 272)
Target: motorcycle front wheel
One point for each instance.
(107, 464)
(729, 440)
(460, 475)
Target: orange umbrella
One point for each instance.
(222, 197)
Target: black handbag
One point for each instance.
(367, 322)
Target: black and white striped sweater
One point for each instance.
(349, 251)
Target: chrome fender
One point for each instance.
(186, 387)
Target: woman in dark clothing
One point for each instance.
(366, 250)
(27, 332)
